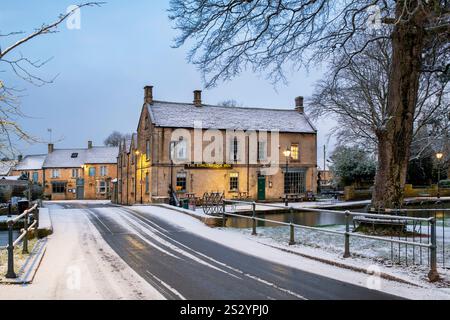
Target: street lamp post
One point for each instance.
(439, 156)
(287, 154)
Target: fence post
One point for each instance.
(224, 219)
(291, 228)
(10, 274)
(347, 235)
(253, 218)
(25, 239)
(433, 275)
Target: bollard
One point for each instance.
(291, 229)
(433, 275)
(347, 235)
(10, 274)
(286, 202)
(25, 239)
(253, 219)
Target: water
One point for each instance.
(4, 237)
(310, 219)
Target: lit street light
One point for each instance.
(439, 156)
(287, 154)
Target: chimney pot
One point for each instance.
(19, 158)
(198, 98)
(89, 144)
(50, 147)
(148, 97)
(299, 104)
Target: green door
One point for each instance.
(261, 188)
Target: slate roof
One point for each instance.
(62, 158)
(32, 162)
(102, 155)
(183, 115)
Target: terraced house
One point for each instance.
(193, 148)
(70, 174)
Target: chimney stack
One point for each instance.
(89, 144)
(50, 147)
(198, 98)
(299, 104)
(148, 98)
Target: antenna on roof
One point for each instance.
(49, 130)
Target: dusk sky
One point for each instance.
(103, 67)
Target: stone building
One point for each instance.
(70, 174)
(251, 153)
(30, 166)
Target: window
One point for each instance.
(147, 183)
(92, 172)
(102, 187)
(234, 149)
(294, 182)
(147, 149)
(179, 149)
(133, 185)
(234, 181)
(35, 176)
(74, 155)
(262, 150)
(181, 182)
(58, 187)
(75, 173)
(103, 171)
(55, 173)
(294, 151)
(119, 185)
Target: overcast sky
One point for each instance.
(103, 67)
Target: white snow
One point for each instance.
(250, 245)
(32, 162)
(79, 264)
(183, 115)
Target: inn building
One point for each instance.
(193, 148)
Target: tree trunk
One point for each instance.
(394, 140)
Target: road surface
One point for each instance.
(182, 265)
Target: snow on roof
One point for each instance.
(65, 158)
(183, 115)
(32, 162)
(72, 158)
(6, 166)
(102, 155)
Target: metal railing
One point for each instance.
(429, 245)
(27, 228)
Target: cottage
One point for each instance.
(68, 174)
(192, 148)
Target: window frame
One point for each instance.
(56, 174)
(295, 155)
(181, 181)
(233, 181)
(59, 187)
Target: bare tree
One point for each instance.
(272, 35)
(115, 138)
(357, 99)
(12, 61)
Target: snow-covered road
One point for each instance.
(184, 259)
(78, 264)
(100, 251)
